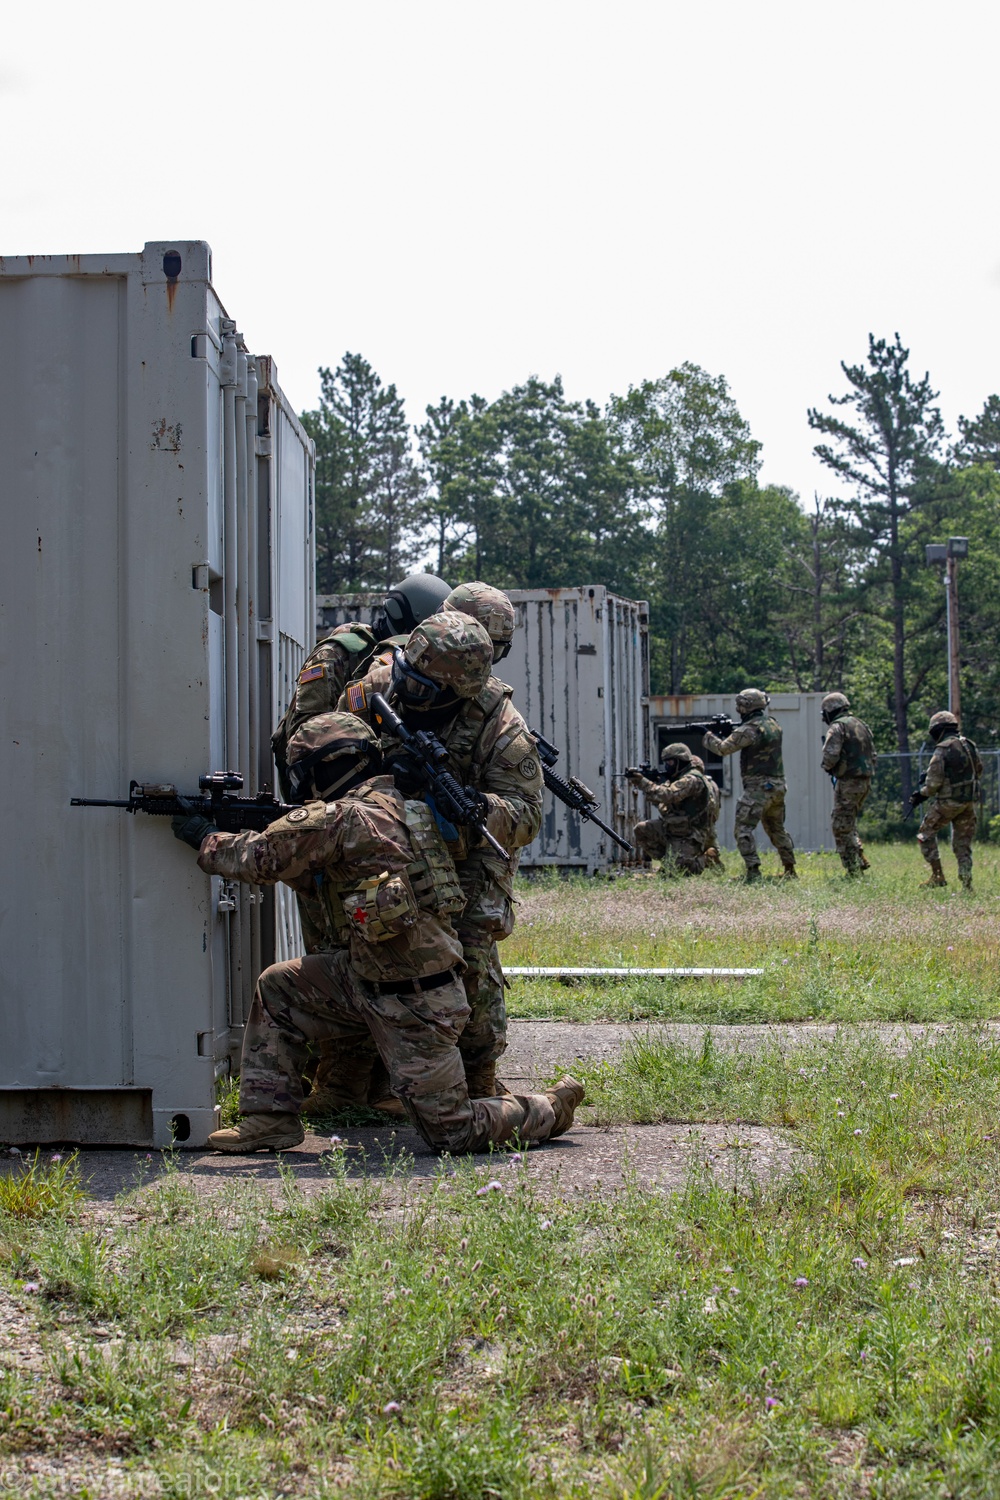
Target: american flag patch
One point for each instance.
(356, 700)
(312, 674)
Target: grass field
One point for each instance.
(833, 1333)
(832, 948)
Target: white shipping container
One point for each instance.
(809, 801)
(579, 668)
(156, 599)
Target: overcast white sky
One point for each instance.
(468, 193)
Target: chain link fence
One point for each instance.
(883, 815)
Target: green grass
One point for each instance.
(778, 1341)
(877, 948)
(833, 1331)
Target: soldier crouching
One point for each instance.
(388, 886)
(683, 836)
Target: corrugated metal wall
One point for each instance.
(809, 802)
(158, 543)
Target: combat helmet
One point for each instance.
(832, 705)
(491, 608)
(447, 657)
(408, 602)
(751, 701)
(941, 723)
(329, 754)
(678, 755)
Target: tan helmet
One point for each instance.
(751, 701)
(832, 705)
(677, 751)
(491, 608)
(329, 752)
(940, 723)
(447, 650)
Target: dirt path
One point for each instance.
(584, 1160)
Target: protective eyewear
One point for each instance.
(412, 686)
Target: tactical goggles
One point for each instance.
(412, 686)
(501, 649)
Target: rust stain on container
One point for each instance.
(171, 292)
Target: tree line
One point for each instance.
(657, 496)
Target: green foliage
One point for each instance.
(367, 483)
(38, 1187)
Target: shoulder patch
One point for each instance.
(298, 815)
(312, 674)
(528, 767)
(356, 699)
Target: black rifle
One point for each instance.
(651, 773)
(229, 813)
(428, 757)
(578, 797)
(918, 796)
(720, 724)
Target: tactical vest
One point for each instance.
(431, 877)
(960, 768)
(857, 748)
(693, 809)
(764, 758)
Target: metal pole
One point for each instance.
(951, 587)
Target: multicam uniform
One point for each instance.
(491, 749)
(683, 836)
(758, 740)
(951, 786)
(849, 756)
(388, 885)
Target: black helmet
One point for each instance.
(407, 603)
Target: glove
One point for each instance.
(191, 826)
(478, 804)
(634, 775)
(918, 796)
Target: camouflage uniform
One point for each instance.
(491, 749)
(951, 787)
(849, 757)
(758, 739)
(683, 836)
(388, 885)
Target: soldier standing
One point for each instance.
(951, 787)
(441, 681)
(758, 739)
(849, 758)
(683, 836)
(347, 652)
(389, 887)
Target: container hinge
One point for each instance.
(263, 445)
(227, 897)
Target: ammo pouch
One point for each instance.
(432, 874)
(380, 908)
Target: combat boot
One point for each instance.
(863, 864)
(564, 1098)
(788, 870)
(271, 1132)
(483, 1083)
(752, 874)
(390, 1105)
(965, 876)
(936, 876)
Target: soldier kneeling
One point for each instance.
(683, 836)
(389, 890)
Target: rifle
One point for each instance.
(918, 796)
(577, 796)
(651, 773)
(720, 724)
(429, 758)
(229, 813)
